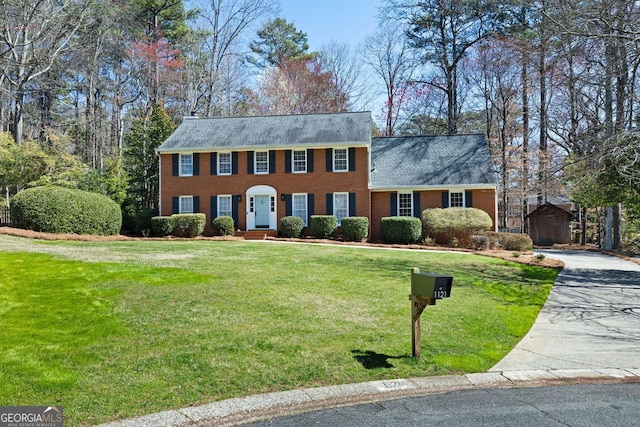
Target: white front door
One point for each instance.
(263, 210)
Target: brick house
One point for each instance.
(260, 169)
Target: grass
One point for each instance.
(118, 329)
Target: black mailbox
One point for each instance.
(430, 285)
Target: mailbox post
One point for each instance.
(426, 288)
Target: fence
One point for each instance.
(5, 215)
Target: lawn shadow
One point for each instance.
(372, 360)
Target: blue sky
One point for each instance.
(345, 21)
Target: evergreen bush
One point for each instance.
(291, 226)
(223, 226)
(188, 225)
(161, 226)
(355, 228)
(54, 209)
(401, 229)
(460, 223)
(323, 226)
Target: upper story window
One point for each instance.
(261, 162)
(405, 204)
(186, 164)
(224, 163)
(299, 161)
(456, 199)
(340, 160)
(186, 204)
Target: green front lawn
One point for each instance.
(118, 329)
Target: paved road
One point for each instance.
(579, 406)
(590, 320)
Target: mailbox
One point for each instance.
(430, 285)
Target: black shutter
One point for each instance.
(214, 207)
(468, 199)
(196, 164)
(250, 162)
(310, 207)
(196, 204)
(175, 160)
(329, 203)
(234, 163)
(310, 160)
(234, 209)
(352, 159)
(288, 205)
(416, 205)
(445, 199)
(394, 204)
(213, 163)
(272, 161)
(287, 161)
(352, 204)
(175, 207)
(329, 156)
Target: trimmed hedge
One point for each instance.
(162, 226)
(188, 225)
(323, 226)
(401, 229)
(54, 209)
(291, 226)
(223, 226)
(451, 224)
(355, 228)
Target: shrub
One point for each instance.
(509, 241)
(291, 226)
(479, 242)
(401, 229)
(355, 228)
(142, 220)
(323, 226)
(63, 210)
(461, 223)
(188, 225)
(223, 226)
(161, 226)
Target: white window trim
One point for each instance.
(182, 198)
(255, 163)
(346, 157)
(334, 206)
(225, 196)
(306, 206)
(293, 161)
(230, 163)
(463, 198)
(180, 172)
(410, 193)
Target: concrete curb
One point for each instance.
(252, 408)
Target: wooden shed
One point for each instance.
(549, 225)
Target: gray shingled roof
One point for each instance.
(321, 130)
(421, 161)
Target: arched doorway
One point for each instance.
(262, 208)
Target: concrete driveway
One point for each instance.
(591, 319)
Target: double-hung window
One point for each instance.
(224, 163)
(456, 199)
(405, 204)
(261, 162)
(224, 206)
(186, 164)
(299, 161)
(299, 207)
(340, 206)
(186, 204)
(340, 160)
